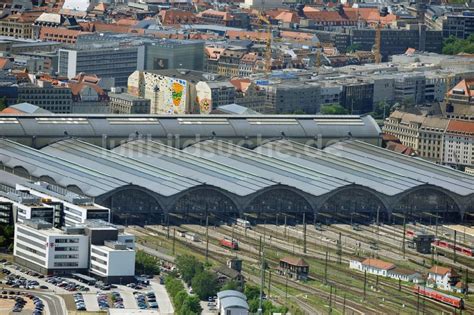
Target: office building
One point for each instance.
(75, 208)
(27, 206)
(357, 96)
(6, 212)
(124, 103)
(410, 88)
(105, 61)
(174, 54)
(291, 97)
(91, 247)
(459, 25)
(40, 247)
(56, 99)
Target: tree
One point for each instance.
(454, 46)
(190, 306)
(179, 299)
(353, 47)
(333, 109)
(147, 263)
(381, 110)
(188, 267)
(205, 284)
(3, 102)
(251, 292)
(173, 286)
(231, 285)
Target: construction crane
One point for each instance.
(268, 47)
(378, 36)
(377, 45)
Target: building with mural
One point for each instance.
(176, 92)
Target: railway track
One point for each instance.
(434, 306)
(440, 307)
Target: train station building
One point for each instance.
(144, 179)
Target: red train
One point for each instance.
(410, 233)
(438, 296)
(232, 244)
(448, 245)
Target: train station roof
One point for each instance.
(285, 172)
(378, 179)
(153, 177)
(240, 181)
(409, 167)
(66, 173)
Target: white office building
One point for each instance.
(26, 206)
(112, 260)
(75, 208)
(96, 246)
(48, 250)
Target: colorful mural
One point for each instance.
(204, 97)
(168, 95)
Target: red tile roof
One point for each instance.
(460, 126)
(241, 84)
(377, 263)
(438, 270)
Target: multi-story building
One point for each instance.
(431, 138)
(48, 250)
(357, 96)
(175, 91)
(91, 247)
(405, 127)
(291, 97)
(410, 88)
(460, 101)
(158, 54)
(229, 63)
(397, 41)
(124, 103)
(459, 144)
(19, 25)
(459, 25)
(6, 212)
(384, 88)
(75, 209)
(249, 95)
(330, 92)
(213, 94)
(27, 206)
(105, 61)
(56, 99)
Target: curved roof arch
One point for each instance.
(199, 195)
(160, 180)
(284, 172)
(278, 194)
(238, 181)
(351, 188)
(64, 172)
(410, 168)
(127, 187)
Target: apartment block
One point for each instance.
(459, 143)
(124, 103)
(290, 97)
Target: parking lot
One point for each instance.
(85, 297)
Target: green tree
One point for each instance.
(333, 109)
(188, 267)
(251, 292)
(147, 263)
(179, 299)
(231, 285)
(205, 284)
(173, 286)
(190, 306)
(353, 47)
(3, 102)
(454, 46)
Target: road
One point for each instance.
(162, 298)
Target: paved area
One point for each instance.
(128, 299)
(206, 309)
(90, 299)
(164, 302)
